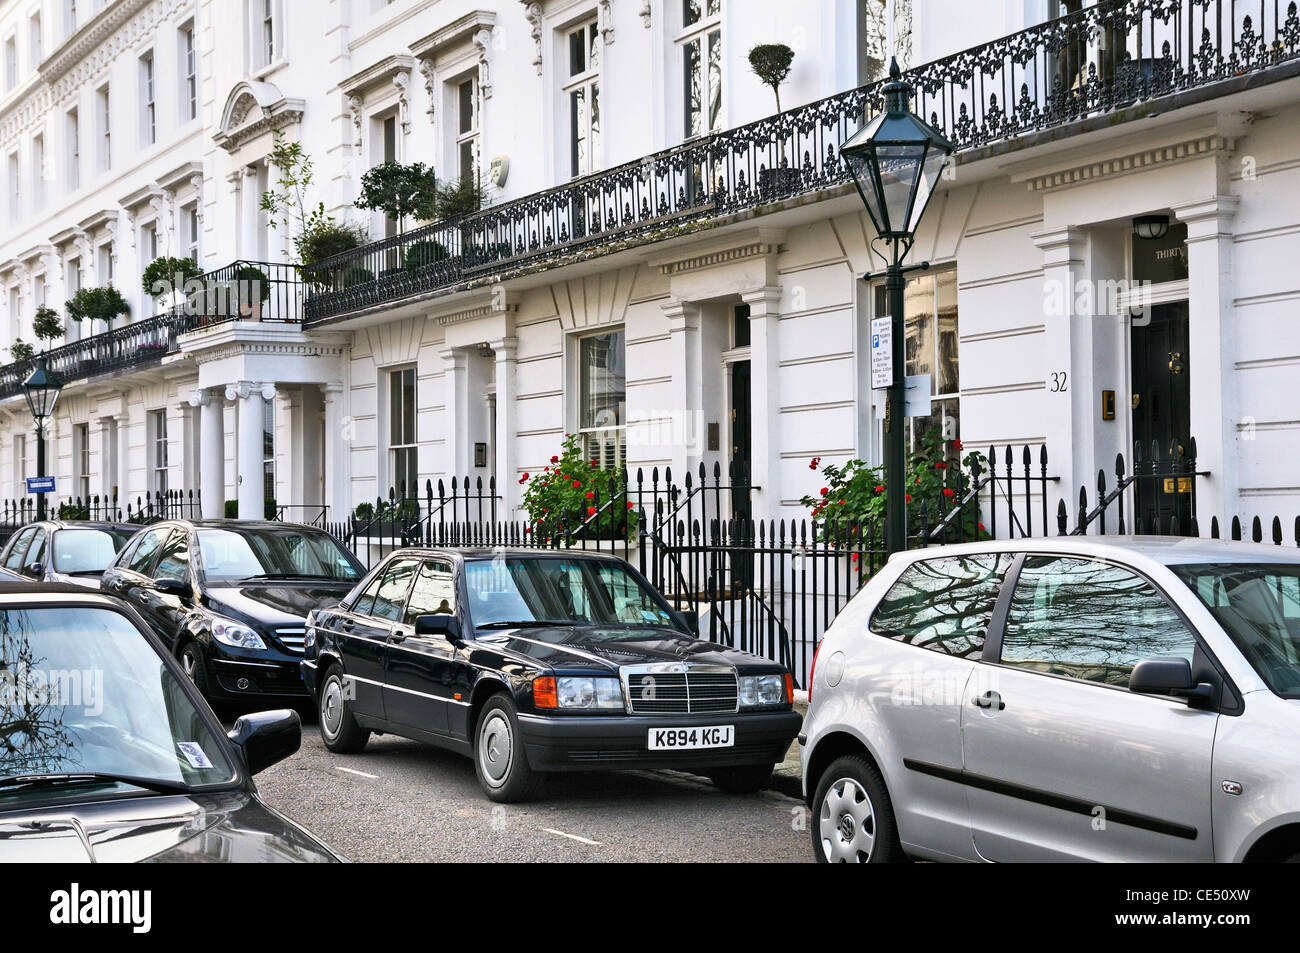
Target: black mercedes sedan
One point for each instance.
(72, 551)
(229, 598)
(109, 753)
(535, 661)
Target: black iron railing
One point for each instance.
(240, 291)
(1096, 61)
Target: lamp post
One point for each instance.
(42, 389)
(896, 160)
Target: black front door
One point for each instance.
(741, 447)
(1161, 407)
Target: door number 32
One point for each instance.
(1060, 382)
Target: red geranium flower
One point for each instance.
(591, 511)
(814, 463)
(909, 497)
(956, 445)
(941, 465)
(629, 504)
(981, 527)
(576, 484)
(947, 491)
(880, 488)
(591, 495)
(524, 478)
(825, 491)
(555, 459)
(595, 464)
(842, 502)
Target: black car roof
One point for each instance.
(491, 552)
(83, 524)
(25, 588)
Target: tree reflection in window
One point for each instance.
(1089, 620)
(944, 605)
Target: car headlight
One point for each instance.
(232, 633)
(588, 692)
(757, 691)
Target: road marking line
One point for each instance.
(593, 843)
(373, 777)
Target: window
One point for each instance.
(601, 397)
(72, 174)
(35, 553)
(268, 31)
(15, 313)
(81, 447)
(142, 554)
(190, 229)
(35, 42)
(701, 45)
(189, 74)
(930, 313)
(18, 549)
(434, 591)
(20, 464)
(583, 92)
(268, 450)
(943, 604)
(11, 61)
(38, 172)
(403, 464)
(391, 594)
(104, 264)
(15, 189)
(148, 105)
(466, 128)
(1089, 620)
(158, 450)
(104, 124)
(174, 563)
(1258, 605)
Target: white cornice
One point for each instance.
(377, 73)
(95, 31)
(753, 243)
(458, 32)
(1198, 147)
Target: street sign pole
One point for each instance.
(40, 468)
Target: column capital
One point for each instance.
(681, 314)
(1060, 246)
(331, 390)
(1208, 218)
(200, 397)
(240, 390)
(453, 358)
(763, 300)
(505, 348)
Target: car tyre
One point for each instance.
(338, 728)
(853, 818)
(191, 659)
(743, 779)
(499, 758)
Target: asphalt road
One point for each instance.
(403, 801)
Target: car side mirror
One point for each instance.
(35, 569)
(1171, 677)
(438, 623)
(690, 619)
(172, 587)
(266, 737)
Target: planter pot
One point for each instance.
(779, 181)
(251, 312)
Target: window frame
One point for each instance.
(586, 81)
(598, 434)
(104, 134)
(1229, 701)
(189, 63)
(468, 136)
(148, 98)
(699, 34)
(158, 451)
(409, 450)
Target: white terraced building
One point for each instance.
(658, 268)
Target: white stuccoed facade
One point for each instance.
(499, 364)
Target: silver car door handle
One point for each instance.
(989, 700)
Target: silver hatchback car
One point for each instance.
(1088, 698)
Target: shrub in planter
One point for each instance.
(326, 238)
(21, 351)
(97, 304)
(852, 502)
(356, 275)
(166, 276)
(425, 253)
(571, 490)
(73, 511)
(231, 509)
(462, 196)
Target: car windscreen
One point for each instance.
(536, 590)
(1258, 605)
(83, 692)
(274, 553)
(86, 550)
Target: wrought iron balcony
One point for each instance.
(240, 291)
(1097, 61)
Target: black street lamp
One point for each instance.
(896, 160)
(42, 388)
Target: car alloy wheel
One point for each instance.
(331, 707)
(496, 748)
(847, 823)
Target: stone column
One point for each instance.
(251, 398)
(212, 452)
(1211, 345)
(1067, 362)
(506, 350)
(765, 399)
(684, 334)
(338, 454)
(456, 378)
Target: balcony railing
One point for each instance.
(1099, 60)
(240, 291)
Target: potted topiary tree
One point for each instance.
(164, 279)
(46, 324)
(252, 286)
(771, 64)
(21, 351)
(398, 190)
(97, 304)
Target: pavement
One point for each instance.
(400, 800)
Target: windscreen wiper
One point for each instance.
(92, 777)
(527, 624)
(287, 575)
